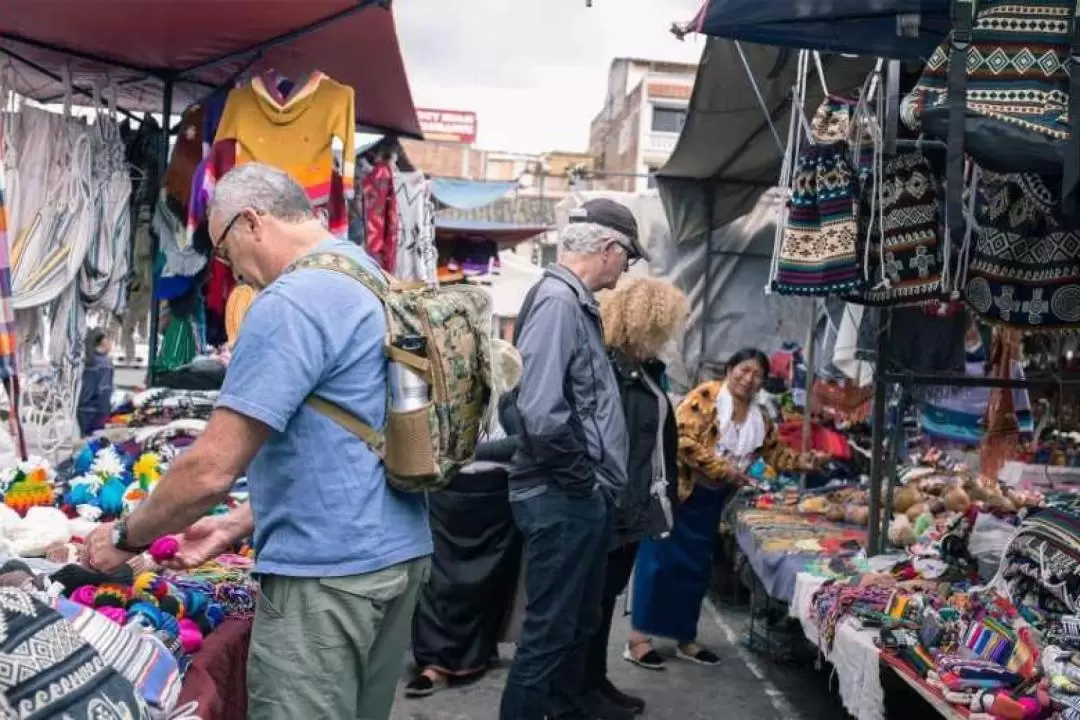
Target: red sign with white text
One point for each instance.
(456, 126)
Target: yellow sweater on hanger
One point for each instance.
(297, 135)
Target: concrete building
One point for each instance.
(636, 130)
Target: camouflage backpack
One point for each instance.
(423, 449)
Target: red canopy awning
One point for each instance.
(204, 44)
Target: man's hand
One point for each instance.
(100, 554)
(203, 541)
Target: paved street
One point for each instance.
(746, 685)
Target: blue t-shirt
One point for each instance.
(321, 504)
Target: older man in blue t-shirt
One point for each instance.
(340, 555)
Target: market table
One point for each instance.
(899, 676)
(779, 544)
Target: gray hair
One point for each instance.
(263, 188)
(589, 238)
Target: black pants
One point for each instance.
(620, 563)
(565, 551)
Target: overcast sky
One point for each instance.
(534, 71)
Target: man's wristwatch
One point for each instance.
(120, 539)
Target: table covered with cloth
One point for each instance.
(215, 684)
(854, 655)
(779, 544)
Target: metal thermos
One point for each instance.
(408, 391)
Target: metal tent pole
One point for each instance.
(877, 457)
(155, 305)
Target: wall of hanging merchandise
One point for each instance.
(73, 186)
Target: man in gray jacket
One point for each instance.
(570, 465)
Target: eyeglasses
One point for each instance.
(628, 252)
(220, 251)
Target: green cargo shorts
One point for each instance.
(331, 647)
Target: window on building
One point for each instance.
(668, 119)
(651, 182)
(548, 254)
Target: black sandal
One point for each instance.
(420, 686)
(701, 657)
(651, 660)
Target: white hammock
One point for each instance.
(69, 226)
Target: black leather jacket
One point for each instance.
(637, 515)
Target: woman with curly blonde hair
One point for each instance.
(640, 317)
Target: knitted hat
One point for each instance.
(236, 308)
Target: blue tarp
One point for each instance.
(469, 194)
(859, 27)
(500, 232)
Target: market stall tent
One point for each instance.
(162, 56)
(197, 45)
(901, 29)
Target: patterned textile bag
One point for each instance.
(423, 449)
(1015, 81)
(819, 251)
(906, 268)
(48, 671)
(1040, 568)
(1024, 271)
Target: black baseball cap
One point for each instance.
(612, 215)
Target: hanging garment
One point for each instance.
(219, 286)
(905, 268)
(8, 360)
(958, 414)
(1024, 271)
(417, 257)
(296, 133)
(168, 224)
(104, 278)
(52, 219)
(186, 155)
(381, 215)
(1002, 439)
(143, 155)
(236, 308)
(213, 109)
(819, 250)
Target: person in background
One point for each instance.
(95, 396)
(477, 560)
(640, 317)
(722, 432)
(570, 463)
(340, 555)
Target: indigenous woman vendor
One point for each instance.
(722, 432)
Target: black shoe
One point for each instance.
(420, 686)
(617, 697)
(599, 707)
(701, 657)
(651, 660)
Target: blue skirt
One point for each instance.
(672, 575)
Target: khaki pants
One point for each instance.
(331, 647)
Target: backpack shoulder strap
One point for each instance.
(337, 262)
(379, 288)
